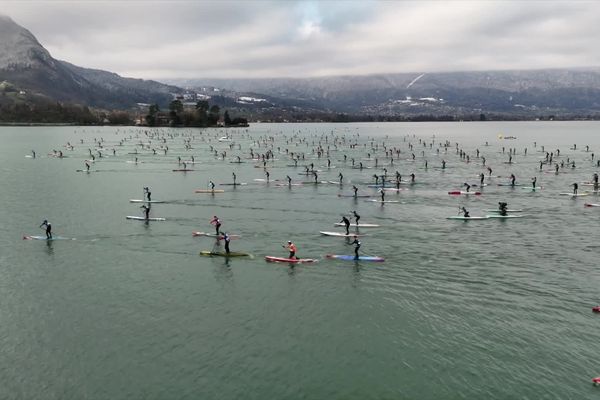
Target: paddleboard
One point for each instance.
(459, 192)
(224, 254)
(35, 237)
(352, 258)
(145, 201)
(463, 218)
(144, 219)
(393, 189)
(182, 170)
(495, 210)
(351, 195)
(233, 184)
(574, 195)
(533, 189)
(508, 184)
(505, 216)
(209, 191)
(196, 233)
(382, 201)
(359, 225)
(591, 205)
(339, 234)
(290, 260)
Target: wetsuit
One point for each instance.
(503, 210)
(346, 222)
(48, 229)
(356, 216)
(356, 244)
(217, 222)
(227, 239)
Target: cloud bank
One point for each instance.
(263, 39)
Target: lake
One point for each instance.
(490, 309)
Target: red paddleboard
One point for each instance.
(290, 260)
(591, 205)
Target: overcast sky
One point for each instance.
(241, 39)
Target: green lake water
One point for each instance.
(492, 309)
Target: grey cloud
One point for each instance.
(311, 38)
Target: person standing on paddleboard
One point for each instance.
(346, 223)
(356, 244)
(533, 181)
(292, 248)
(355, 191)
(595, 182)
(48, 228)
(217, 223)
(356, 217)
(575, 187)
(146, 211)
(226, 239)
(512, 179)
(465, 213)
(212, 185)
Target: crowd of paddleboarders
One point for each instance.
(378, 155)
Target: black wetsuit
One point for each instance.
(227, 239)
(356, 244)
(48, 229)
(346, 222)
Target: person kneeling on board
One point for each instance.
(503, 208)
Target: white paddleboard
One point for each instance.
(339, 234)
(134, 217)
(359, 225)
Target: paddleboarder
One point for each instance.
(212, 185)
(146, 211)
(346, 222)
(533, 181)
(292, 248)
(465, 212)
(226, 239)
(356, 217)
(217, 223)
(575, 187)
(355, 191)
(503, 207)
(512, 179)
(356, 244)
(48, 228)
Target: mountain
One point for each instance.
(526, 94)
(27, 65)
